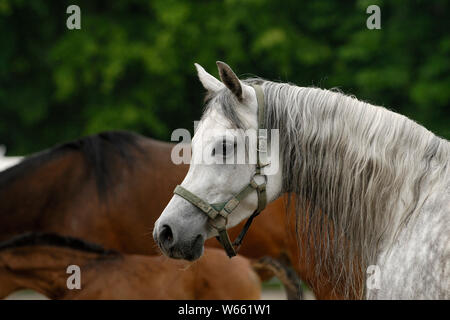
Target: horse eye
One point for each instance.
(228, 148)
(225, 148)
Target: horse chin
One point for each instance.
(194, 256)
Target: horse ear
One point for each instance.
(229, 79)
(208, 81)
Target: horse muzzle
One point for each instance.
(181, 231)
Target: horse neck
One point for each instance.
(361, 167)
(33, 191)
(40, 268)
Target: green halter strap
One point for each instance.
(218, 213)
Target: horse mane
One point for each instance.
(97, 150)
(350, 167)
(54, 240)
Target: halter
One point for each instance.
(218, 212)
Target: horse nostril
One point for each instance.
(166, 235)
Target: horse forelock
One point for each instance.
(226, 102)
(357, 172)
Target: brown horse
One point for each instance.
(40, 261)
(110, 188)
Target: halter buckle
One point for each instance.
(210, 212)
(231, 205)
(204, 207)
(262, 144)
(260, 186)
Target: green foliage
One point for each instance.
(131, 64)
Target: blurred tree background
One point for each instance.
(131, 64)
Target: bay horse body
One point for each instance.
(40, 262)
(110, 188)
